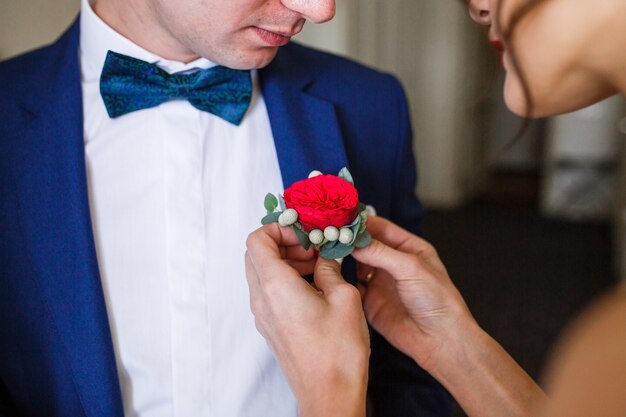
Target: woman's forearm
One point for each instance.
(482, 376)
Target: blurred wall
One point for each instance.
(26, 24)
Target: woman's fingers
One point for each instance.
(328, 275)
(303, 267)
(270, 243)
(395, 236)
(398, 251)
(270, 239)
(400, 264)
(265, 263)
(297, 253)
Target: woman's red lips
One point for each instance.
(272, 38)
(498, 45)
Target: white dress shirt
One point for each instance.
(174, 192)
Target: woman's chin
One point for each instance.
(520, 108)
(516, 102)
(548, 101)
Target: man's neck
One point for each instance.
(135, 20)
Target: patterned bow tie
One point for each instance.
(128, 84)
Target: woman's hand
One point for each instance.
(410, 299)
(412, 302)
(318, 334)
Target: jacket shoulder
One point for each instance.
(341, 72)
(19, 78)
(16, 72)
(34, 75)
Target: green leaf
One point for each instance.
(271, 218)
(302, 236)
(356, 227)
(345, 174)
(336, 251)
(362, 207)
(363, 239)
(330, 244)
(270, 202)
(281, 200)
(363, 216)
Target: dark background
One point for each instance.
(523, 276)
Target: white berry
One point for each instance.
(331, 233)
(314, 173)
(316, 236)
(345, 235)
(288, 217)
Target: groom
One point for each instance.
(126, 195)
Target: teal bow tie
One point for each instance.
(128, 84)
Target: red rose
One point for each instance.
(322, 201)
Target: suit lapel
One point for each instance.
(53, 198)
(305, 127)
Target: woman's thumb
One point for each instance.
(327, 274)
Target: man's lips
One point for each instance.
(273, 38)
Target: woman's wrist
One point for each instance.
(445, 350)
(481, 375)
(454, 357)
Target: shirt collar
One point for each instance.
(97, 38)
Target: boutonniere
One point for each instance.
(325, 213)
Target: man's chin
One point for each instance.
(256, 59)
(263, 59)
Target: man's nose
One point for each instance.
(316, 11)
(480, 11)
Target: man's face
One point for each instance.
(240, 34)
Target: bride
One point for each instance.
(559, 56)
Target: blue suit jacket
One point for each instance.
(56, 352)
